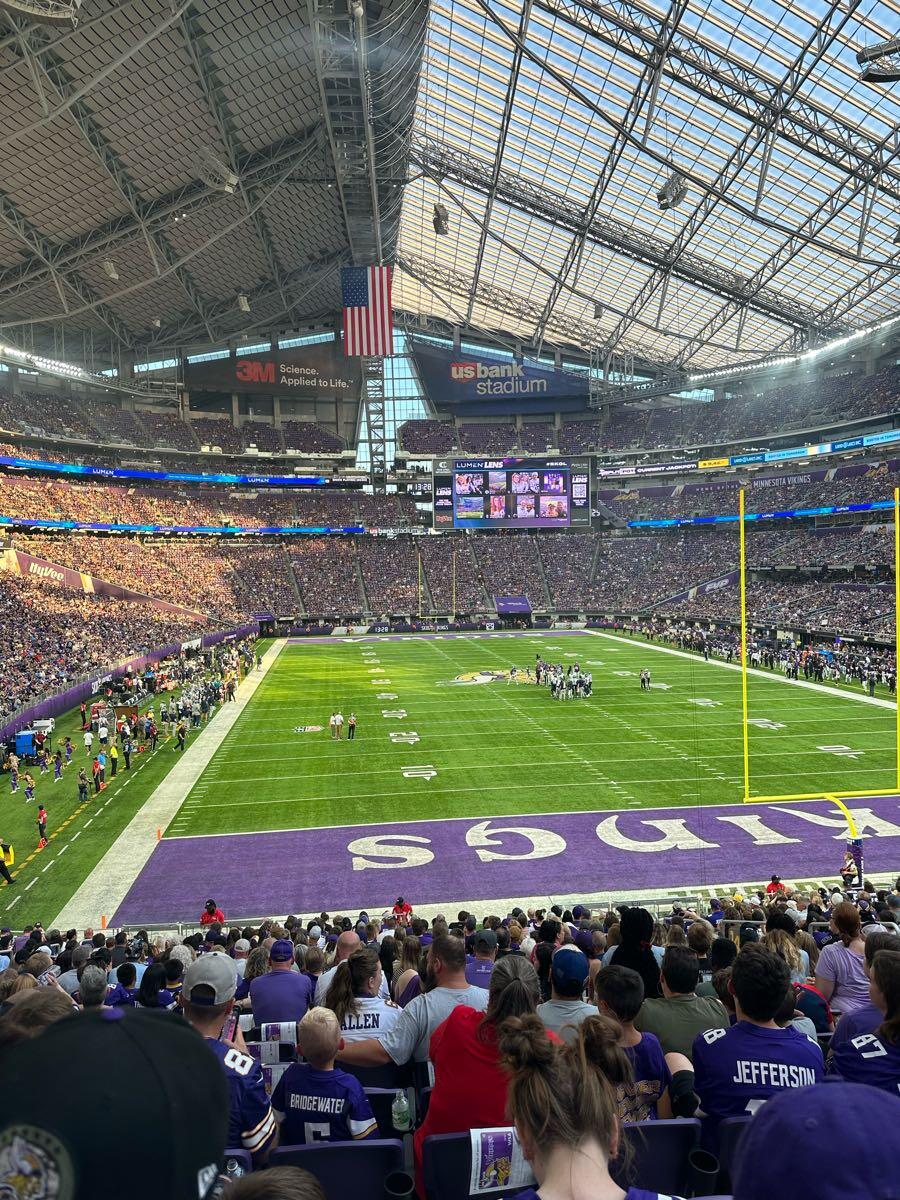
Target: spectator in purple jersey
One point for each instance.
(867, 1019)
(207, 1000)
(754, 1059)
(874, 1058)
(821, 1140)
(564, 1109)
(663, 1084)
(315, 1101)
(480, 968)
(282, 994)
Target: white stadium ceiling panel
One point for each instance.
(792, 204)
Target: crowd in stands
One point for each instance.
(390, 573)
(51, 638)
(487, 438)
(575, 1026)
(438, 557)
(510, 566)
(104, 422)
(325, 571)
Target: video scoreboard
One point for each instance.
(512, 493)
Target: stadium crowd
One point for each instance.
(574, 1025)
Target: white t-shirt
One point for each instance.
(102, 732)
(339, 719)
(88, 739)
(325, 983)
(373, 1020)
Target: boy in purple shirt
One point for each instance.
(480, 968)
(282, 994)
(315, 1101)
(754, 1059)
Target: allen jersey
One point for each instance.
(869, 1059)
(733, 1067)
(251, 1122)
(321, 1106)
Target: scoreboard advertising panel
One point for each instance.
(510, 493)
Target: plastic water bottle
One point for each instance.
(233, 1170)
(400, 1112)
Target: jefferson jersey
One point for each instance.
(251, 1122)
(869, 1059)
(735, 1066)
(321, 1106)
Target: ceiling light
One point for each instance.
(110, 269)
(216, 175)
(243, 303)
(672, 192)
(880, 62)
(441, 220)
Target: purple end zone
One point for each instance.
(345, 869)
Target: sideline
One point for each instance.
(773, 676)
(108, 883)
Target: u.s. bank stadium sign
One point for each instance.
(452, 377)
(319, 370)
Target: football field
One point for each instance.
(462, 785)
(442, 733)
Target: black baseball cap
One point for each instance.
(139, 1073)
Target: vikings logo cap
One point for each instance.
(85, 1099)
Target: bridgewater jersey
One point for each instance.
(869, 1059)
(733, 1067)
(321, 1106)
(251, 1122)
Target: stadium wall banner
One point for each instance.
(488, 384)
(84, 470)
(317, 370)
(704, 589)
(54, 706)
(197, 530)
(23, 564)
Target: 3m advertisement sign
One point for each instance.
(318, 370)
(451, 377)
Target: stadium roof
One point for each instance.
(546, 128)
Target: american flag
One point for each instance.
(368, 324)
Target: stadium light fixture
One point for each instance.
(673, 192)
(880, 62)
(598, 310)
(441, 220)
(45, 12)
(216, 175)
(243, 303)
(109, 268)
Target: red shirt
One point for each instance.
(774, 886)
(469, 1085)
(216, 918)
(402, 912)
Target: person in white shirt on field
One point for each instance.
(332, 724)
(339, 724)
(88, 741)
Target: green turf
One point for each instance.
(509, 749)
(79, 835)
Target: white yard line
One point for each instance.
(108, 884)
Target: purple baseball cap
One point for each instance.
(783, 1147)
(282, 951)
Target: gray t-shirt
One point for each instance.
(557, 1013)
(411, 1036)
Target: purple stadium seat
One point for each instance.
(731, 1130)
(659, 1153)
(447, 1165)
(356, 1169)
(388, 1076)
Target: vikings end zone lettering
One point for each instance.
(474, 858)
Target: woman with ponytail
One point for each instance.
(874, 1058)
(353, 997)
(563, 1103)
(469, 1084)
(636, 949)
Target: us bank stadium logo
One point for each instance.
(472, 677)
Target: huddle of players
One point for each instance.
(565, 683)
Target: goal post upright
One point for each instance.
(897, 620)
(744, 699)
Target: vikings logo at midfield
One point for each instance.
(470, 677)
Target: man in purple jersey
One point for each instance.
(315, 1101)
(282, 994)
(754, 1059)
(480, 968)
(207, 999)
(874, 1058)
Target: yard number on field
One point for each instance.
(426, 772)
(841, 751)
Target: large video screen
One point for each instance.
(534, 493)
